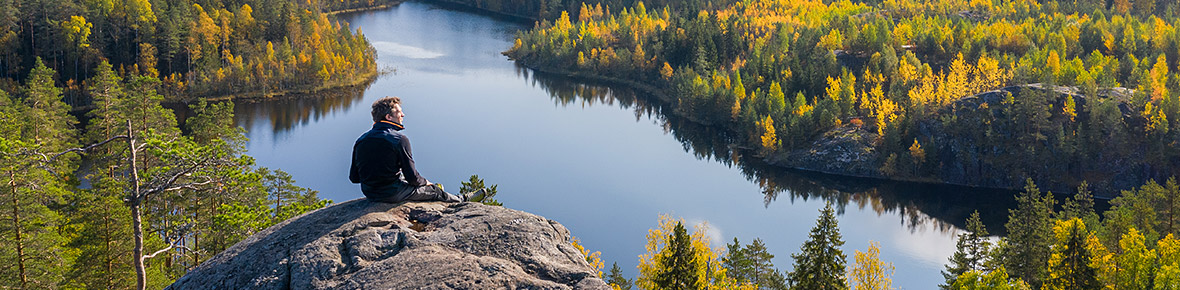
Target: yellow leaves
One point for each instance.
(804, 109)
(323, 73)
(917, 152)
(1053, 64)
(563, 22)
(833, 88)
(594, 259)
(769, 139)
(638, 56)
(960, 80)
(926, 91)
(1008, 36)
(907, 72)
(903, 33)
(77, 31)
(1169, 257)
(706, 260)
(141, 12)
(886, 114)
(1070, 108)
(270, 52)
(955, 84)
(1158, 78)
(666, 71)
(204, 27)
(245, 16)
(868, 271)
(832, 41)
(989, 74)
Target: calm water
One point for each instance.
(603, 161)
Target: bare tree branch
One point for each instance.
(170, 247)
(192, 186)
(145, 257)
(87, 148)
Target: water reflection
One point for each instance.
(943, 208)
(289, 112)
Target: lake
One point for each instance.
(603, 160)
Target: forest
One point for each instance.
(103, 186)
(1133, 245)
(982, 93)
(1072, 95)
(196, 48)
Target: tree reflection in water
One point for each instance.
(291, 111)
(920, 206)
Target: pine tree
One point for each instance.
(752, 264)
(616, 279)
(676, 260)
(821, 264)
(736, 263)
(99, 220)
(973, 248)
(48, 124)
(1029, 235)
(765, 274)
(680, 271)
(30, 243)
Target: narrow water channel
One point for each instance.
(604, 161)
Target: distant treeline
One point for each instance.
(791, 75)
(197, 48)
(551, 9)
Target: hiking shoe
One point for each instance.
(475, 196)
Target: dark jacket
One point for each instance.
(382, 157)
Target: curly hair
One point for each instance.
(384, 106)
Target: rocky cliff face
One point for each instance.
(367, 245)
(987, 140)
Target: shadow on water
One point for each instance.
(289, 112)
(944, 208)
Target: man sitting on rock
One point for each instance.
(384, 165)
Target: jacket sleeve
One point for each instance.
(353, 175)
(408, 171)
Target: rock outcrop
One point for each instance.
(366, 245)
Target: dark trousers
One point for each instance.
(400, 191)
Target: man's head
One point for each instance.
(389, 109)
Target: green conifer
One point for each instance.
(972, 250)
(821, 264)
(680, 271)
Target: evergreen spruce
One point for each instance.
(736, 263)
(821, 264)
(679, 265)
(972, 250)
(752, 264)
(1030, 232)
(616, 279)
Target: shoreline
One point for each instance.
(368, 77)
(777, 162)
(522, 19)
(378, 7)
